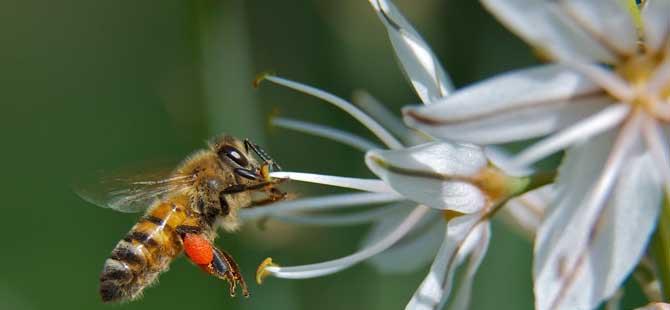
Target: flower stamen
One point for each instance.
(591, 126)
(339, 201)
(352, 110)
(610, 82)
(334, 134)
(333, 266)
(368, 185)
(261, 272)
(347, 219)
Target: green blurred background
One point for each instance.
(90, 85)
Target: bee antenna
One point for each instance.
(261, 153)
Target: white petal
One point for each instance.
(584, 251)
(633, 215)
(608, 22)
(514, 125)
(656, 22)
(432, 174)
(419, 63)
(414, 251)
(546, 26)
(448, 159)
(462, 299)
(659, 147)
(584, 129)
(463, 235)
(578, 172)
(661, 110)
(661, 77)
(514, 106)
(526, 87)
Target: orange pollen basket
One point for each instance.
(198, 249)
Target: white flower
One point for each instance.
(606, 99)
(461, 183)
(458, 182)
(457, 175)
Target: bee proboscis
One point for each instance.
(183, 212)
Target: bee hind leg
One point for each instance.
(214, 261)
(224, 267)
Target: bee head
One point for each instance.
(233, 151)
(245, 156)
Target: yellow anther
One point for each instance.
(260, 78)
(261, 272)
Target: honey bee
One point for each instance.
(183, 212)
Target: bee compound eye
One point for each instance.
(245, 173)
(233, 154)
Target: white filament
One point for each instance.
(348, 219)
(333, 266)
(363, 118)
(609, 81)
(326, 132)
(339, 201)
(584, 129)
(368, 185)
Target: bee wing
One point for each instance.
(131, 193)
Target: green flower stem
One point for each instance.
(661, 248)
(519, 186)
(538, 180)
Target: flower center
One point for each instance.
(639, 71)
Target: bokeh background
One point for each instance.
(88, 85)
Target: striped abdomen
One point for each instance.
(145, 252)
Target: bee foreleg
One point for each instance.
(238, 188)
(273, 195)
